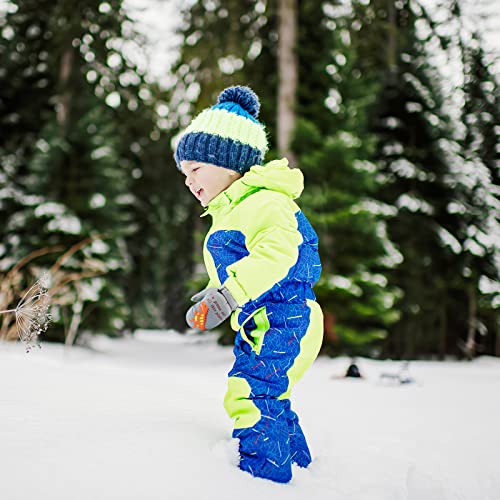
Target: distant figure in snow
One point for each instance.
(353, 370)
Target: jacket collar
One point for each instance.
(230, 196)
(275, 175)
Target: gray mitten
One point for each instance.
(213, 306)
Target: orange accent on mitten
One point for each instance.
(200, 316)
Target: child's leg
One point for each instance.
(258, 391)
(264, 448)
(310, 344)
(261, 424)
(299, 450)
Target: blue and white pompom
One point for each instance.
(244, 96)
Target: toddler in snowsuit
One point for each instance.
(261, 254)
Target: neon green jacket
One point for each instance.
(260, 245)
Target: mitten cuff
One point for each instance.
(228, 296)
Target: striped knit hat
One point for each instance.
(227, 134)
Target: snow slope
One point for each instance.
(142, 418)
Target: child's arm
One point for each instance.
(273, 245)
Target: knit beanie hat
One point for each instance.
(228, 134)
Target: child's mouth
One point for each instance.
(198, 193)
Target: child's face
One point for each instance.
(205, 180)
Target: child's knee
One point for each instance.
(239, 405)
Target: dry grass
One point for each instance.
(56, 286)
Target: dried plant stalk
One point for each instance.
(32, 313)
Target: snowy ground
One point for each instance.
(142, 418)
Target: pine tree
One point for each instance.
(96, 126)
(334, 150)
(25, 82)
(409, 121)
(418, 156)
(478, 203)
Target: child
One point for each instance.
(261, 254)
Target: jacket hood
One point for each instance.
(275, 175)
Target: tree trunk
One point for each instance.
(63, 106)
(392, 40)
(75, 320)
(443, 327)
(288, 77)
(469, 347)
(497, 343)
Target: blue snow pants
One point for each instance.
(274, 346)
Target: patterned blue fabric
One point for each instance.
(268, 448)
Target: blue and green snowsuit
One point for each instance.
(264, 250)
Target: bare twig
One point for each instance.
(31, 256)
